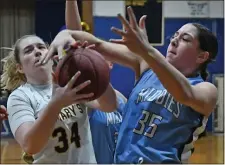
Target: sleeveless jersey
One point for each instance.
(70, 141)
(104, 129)
(156, 128)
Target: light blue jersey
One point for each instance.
(156, 128)
(104, 128)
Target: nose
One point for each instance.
(174, 42)
(37, 53)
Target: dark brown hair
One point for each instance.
(207, 42)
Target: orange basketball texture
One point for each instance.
(92, 66)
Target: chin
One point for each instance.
(169, 59)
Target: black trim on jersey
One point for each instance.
(146, 70)
(190, 139)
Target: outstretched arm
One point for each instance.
(113, 52)
(73, 20)
(201, 97)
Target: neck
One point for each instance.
(44, 81)
(190, 73)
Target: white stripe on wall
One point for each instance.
(203, 9)
(171, 9)
(108, 8)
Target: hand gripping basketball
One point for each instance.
(92, 66)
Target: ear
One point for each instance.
(202, 57)
(19, 68)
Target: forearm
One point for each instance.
(172, 79)
(73, 21)
(40, 132)
(108, 100)
(113, 52)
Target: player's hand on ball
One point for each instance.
(62, 41)
(3, 113)
(67, 95)
(134, 36)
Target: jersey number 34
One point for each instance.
(63, 138)
(148, 119)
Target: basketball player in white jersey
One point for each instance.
(49, 122)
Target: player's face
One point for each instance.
(31, 51)
(183, 49)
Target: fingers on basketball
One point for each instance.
(72, 81)
(81, 98)
(82, 86)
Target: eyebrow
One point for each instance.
(27, 47)
(39, 44)
(184, 34)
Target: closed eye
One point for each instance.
(28, 49)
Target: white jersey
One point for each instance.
(71, 140)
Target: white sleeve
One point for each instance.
(19, 110)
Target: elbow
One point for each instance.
(31, 146)
(29, 149)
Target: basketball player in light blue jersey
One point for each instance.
(105, 128)
(170, 103)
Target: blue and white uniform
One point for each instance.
(156, 128)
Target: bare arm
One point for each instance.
(21, 115)
(32, 134)
(73, 21)
(107, 102)
(120, 95)
(201, 97)
(109, 50)
(113, 52)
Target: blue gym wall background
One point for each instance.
(50, 14)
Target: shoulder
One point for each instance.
(18, 97)
(20, 92)
(120, 96)
(208, 89)
(203, 97)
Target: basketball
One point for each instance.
(92, 66)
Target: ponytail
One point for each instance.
(11, 78)
(203, 72)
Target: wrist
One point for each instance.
(55, 104)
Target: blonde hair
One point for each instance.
(11, 77)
